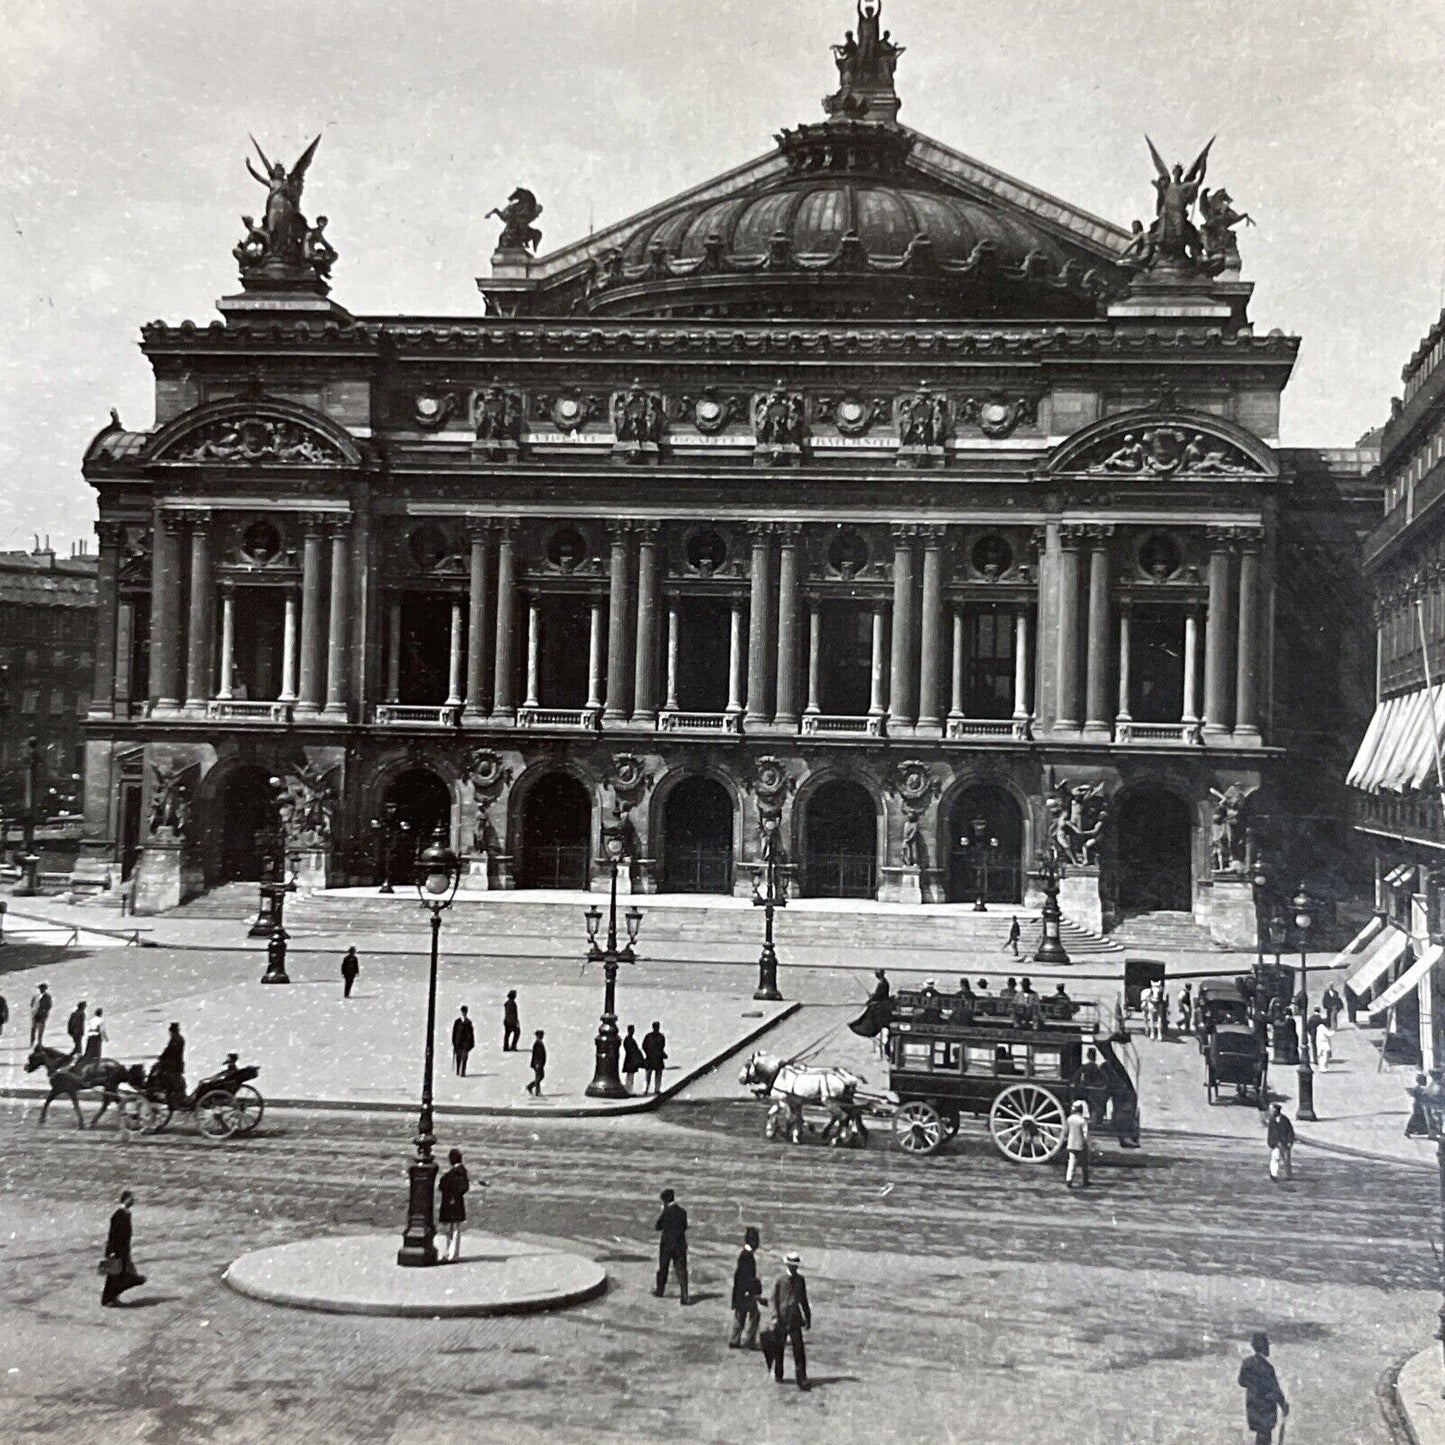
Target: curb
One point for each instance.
(1392, 1407)
(647, 1104)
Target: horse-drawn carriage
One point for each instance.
(972, 1055)
(1234, 1050)
(222, 1104)
(796, 1089)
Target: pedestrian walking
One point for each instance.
(747, 1291)
(672, 1244)
(1014, 934)
(539, 1066)
(96, 1038)
(1264, 1401)
(75, 1027)
(654, 1058)
(1312, 1028)
(1334, 1006)
(511, 1023)
(792, 1314)
(632, 1062)
(464, 1040)
(1090, 1085)
(1076, 1141)
(1279, 1135)
(1186, 1008)
(1324, 1046)
(453, 1214)
(350, 967)
(117, 1266)
(40, 1006)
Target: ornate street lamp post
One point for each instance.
(1051, 946)
(437, 874)
(274, 890)
(29, 883)
(1303, 921)
(1261, 883)
(773, 899)
(984, 847)
(606, 1082)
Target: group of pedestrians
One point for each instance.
(648, 1059)
(85, 1029)
(791, 1312)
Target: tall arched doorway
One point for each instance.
(556, 834)
(697, 838)
(249, 825)
(840, 842)
(985, 847)
(415, 804)
(1155, 833)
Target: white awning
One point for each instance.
(1412, 978)
(1385, 951)
(1349, 954)
(1398, 749)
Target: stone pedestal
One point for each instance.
(899, 885)
(476, 874)
(1079, 900)
(313, 869)
(1231, 912)
(95, 875)
(159, 876)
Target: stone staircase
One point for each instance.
(1163, 931)
(230, 900)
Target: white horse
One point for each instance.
(790, 1086)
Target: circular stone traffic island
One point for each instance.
(358, 1275)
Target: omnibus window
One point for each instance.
(978, 1059)
(946, 1055)
(1048, 1064)
(915, 1054)
(1011, 1059)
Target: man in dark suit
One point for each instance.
(654, 1057)
(791, 1316)
(464, 1040)
(511, 1023)
(75, 1027)
(539, 1066)
(350, 967)
(169, 1073)
(672, 1244)
(747, 1291)
(117, 1247)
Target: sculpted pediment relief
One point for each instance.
(1152, 446)
(254, 436)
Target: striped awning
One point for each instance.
(1397, 753)
(1385, 951)
(1351, 952)
(1412, 978)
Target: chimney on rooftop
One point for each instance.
(44, 554)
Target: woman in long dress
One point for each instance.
(120, 1271)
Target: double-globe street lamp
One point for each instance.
(769, 901)
(386, 829)
(1303, 922)
(606, 1082)
(438, 872)
(1051, 945)
(983, 848)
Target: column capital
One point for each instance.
(1098, 534)
(227, 584)
(904, 533)
(647, 530)
(314, 524)
(1038, 540)
(109, 532)
(172, 522)
(1220, 538)
(618, 532)
(338, 525)
(934, 535)
(506, 528)
(1249, 539)
(760, 532)
(478, 529)
(788, 533)
(1073, 535)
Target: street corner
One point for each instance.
(1414, 1393)
(360, 1275)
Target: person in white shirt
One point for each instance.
(1324, 1046)
(1076, 1142)
(96, 1038)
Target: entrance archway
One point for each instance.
(556, 834)
(1155, 833)
(985, 847)
(840, 842)
(415, 804)
(697, 838)
(249, 819)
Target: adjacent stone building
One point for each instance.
(862, 489)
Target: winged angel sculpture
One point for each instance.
(1173, 242)
(284, 237)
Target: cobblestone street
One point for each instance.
(955, 1298)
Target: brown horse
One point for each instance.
(71, 1076)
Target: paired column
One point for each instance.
(735, 659)
(1189, 714)
(504, 703)
(534, 652)
(393, 648)
(338, 618)
(1021, 664)
(955, 711)
(1066, 668)
(673, 624)
(616, 710)
(929, 707)
(310, 697)
(1246, 677)
(876, 708)
(900, 681)
(786, 713)
(478, 533)
(1096, 711)
(644, 693)
(107, 596)
(198, 631)
(815, 650)
(165, 682)
(759, 608)
(594, 658)
(454, 656)
(226, 686)
(1126, 617)
(288, 646)
(1216, 636)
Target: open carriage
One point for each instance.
(222, 1104)
(951, 1056)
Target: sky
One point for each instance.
(123, 138)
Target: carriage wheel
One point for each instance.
(950, 1121)
(138, 1114)
(216, 1115)
(1027, 1124)
(250, 1107)
(918, 1128)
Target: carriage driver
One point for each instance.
(169, 1072)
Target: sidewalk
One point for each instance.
(1417, 1390)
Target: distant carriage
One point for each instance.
(222, 1105)
(1233, 1048)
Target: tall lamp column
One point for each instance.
(1051, 945)
(767, 988)
(606, 1081)
(1303, 921)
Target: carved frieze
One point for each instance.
(997, 416)
(254, 440)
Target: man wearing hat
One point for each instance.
(791, 1316)
(169, 1071)
(747, 1290)
(672, 1244)
(1076, 1141)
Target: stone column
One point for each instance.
(288, 647)
(672, 641)
(393, 648)
(225, 688)
(644, 692)
(338, 619)
(876, 707)
(1021, 664)
(1190, 713)
(454, 656)
(735, 659)
(310, 695)
(1066, 668)
(955, 711)
(198, 631)
(107, 600)
(901, 691)
(929, 708)
(477, 534)
(786, 713)
(1216, 635)
(504, 696)
(165, 682)
(1125, 618)
(534, 649)
(594, 659)
(759, 619)
(815, 641)
(617, 624)
(124, 655)
(1096, 713)
(1246, 678)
